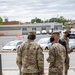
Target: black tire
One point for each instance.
(14, 50)
(46, 48)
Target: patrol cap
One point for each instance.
(56, 32)
(31, 35)
(67, 31)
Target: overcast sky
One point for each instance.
(25, 10)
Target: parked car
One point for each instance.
(45, 43)
(44, 32)
(13, 45)
(72, 44)
(72, 36)
(38, 32)
(50, 31)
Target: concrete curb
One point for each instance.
(48, 50)
(45, 68)
(7, 51)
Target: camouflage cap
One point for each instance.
(31, 33)
(56, 32)
(67, 31)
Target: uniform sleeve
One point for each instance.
(64, 53)
(68, 44)
(51, 55)
(40, 58)
(19, 57)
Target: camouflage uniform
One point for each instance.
(56, 59)
(67, 56)
(26, 58)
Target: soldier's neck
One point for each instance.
(30, 40)
(56, 41)
(65, 36)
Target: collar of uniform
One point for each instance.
(66, 38)
(30, 40)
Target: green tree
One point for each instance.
(46, 21)
(36, 20)
(61, 19)
(33, 21)
(1, 20)
(53, 20)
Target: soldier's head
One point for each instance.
(67, 33)
(31, 35)
(55, 36)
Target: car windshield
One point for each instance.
(43, 41)
(11, 44)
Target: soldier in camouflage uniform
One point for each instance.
(30, 57)
(57, 56)
(65, 38)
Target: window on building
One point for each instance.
(10, 28)
(55, 28)
(24, 28)
(44, 28)
(33, 28)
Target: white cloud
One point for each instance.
(25, 10)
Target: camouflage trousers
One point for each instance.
(54, 74)
(30, 74)
(51, 73)
(67, 65)
(55, 71)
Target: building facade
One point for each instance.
(25, 28)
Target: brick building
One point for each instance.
(12, 23)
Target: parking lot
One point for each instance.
(9, 59)
(5, 39)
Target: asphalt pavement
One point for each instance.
(16, 72)
(9, 64)
(9, 59)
